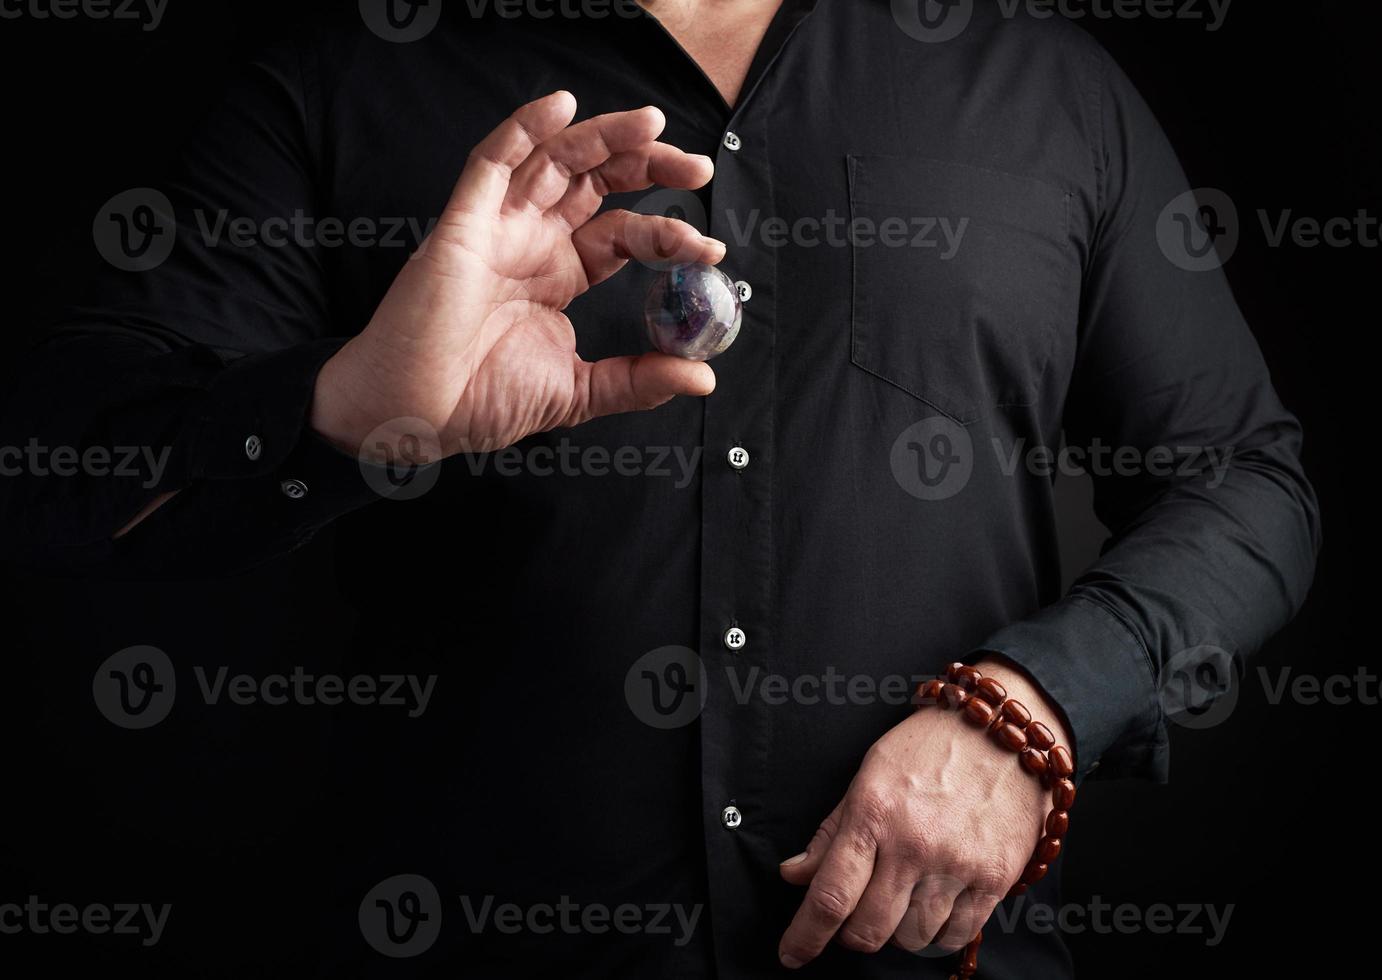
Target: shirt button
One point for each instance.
(254, 448)
(293, 489)
(731, 817)
(745, 291)
(735, 638)
(738, 458)
(733, 142)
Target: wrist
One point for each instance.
(1021, 686)
(335, 415)
(350, 413)
(987, 704)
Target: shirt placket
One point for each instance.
(737, 629)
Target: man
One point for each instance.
(682, 694)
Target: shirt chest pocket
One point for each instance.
(961, 276)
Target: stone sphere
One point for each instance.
(693, 311)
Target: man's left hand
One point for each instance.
(936, 827)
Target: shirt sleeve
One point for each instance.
(193, 376)
(1214, 551)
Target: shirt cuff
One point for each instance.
(255, 480)
(252, 415)
(1091, 664)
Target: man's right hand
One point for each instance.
(471, 338)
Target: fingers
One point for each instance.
(834, 894)
(930, 906)
(537, 160)
(630, 384)
(656, 163)
(632, 170)
(607, 242)
(967, 917)
(799, 870)
(485, 180)
(542, 179)
(882, 906)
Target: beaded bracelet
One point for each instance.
(985, 704)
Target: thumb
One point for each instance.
(799, 870)
(636, 383)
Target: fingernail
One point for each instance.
(794, 860)
(789, 961)
(702, 156)
(715, 241)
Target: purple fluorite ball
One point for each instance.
(693, 311)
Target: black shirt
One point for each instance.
(955, 254)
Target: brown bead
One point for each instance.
(1016, 712)
(952, 672)
(1061, 762)
(1058, 823)
(1034, 872)
(979, 712)
(1034, 762)
(1048, 849)
(1063, 794)
(1018, 889)
(1010, 737)
(929, 692)
(953, 696)
(968, 677)
(1041, 736)
(969, 960)
(991, 691)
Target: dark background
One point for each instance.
(1270, 813)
